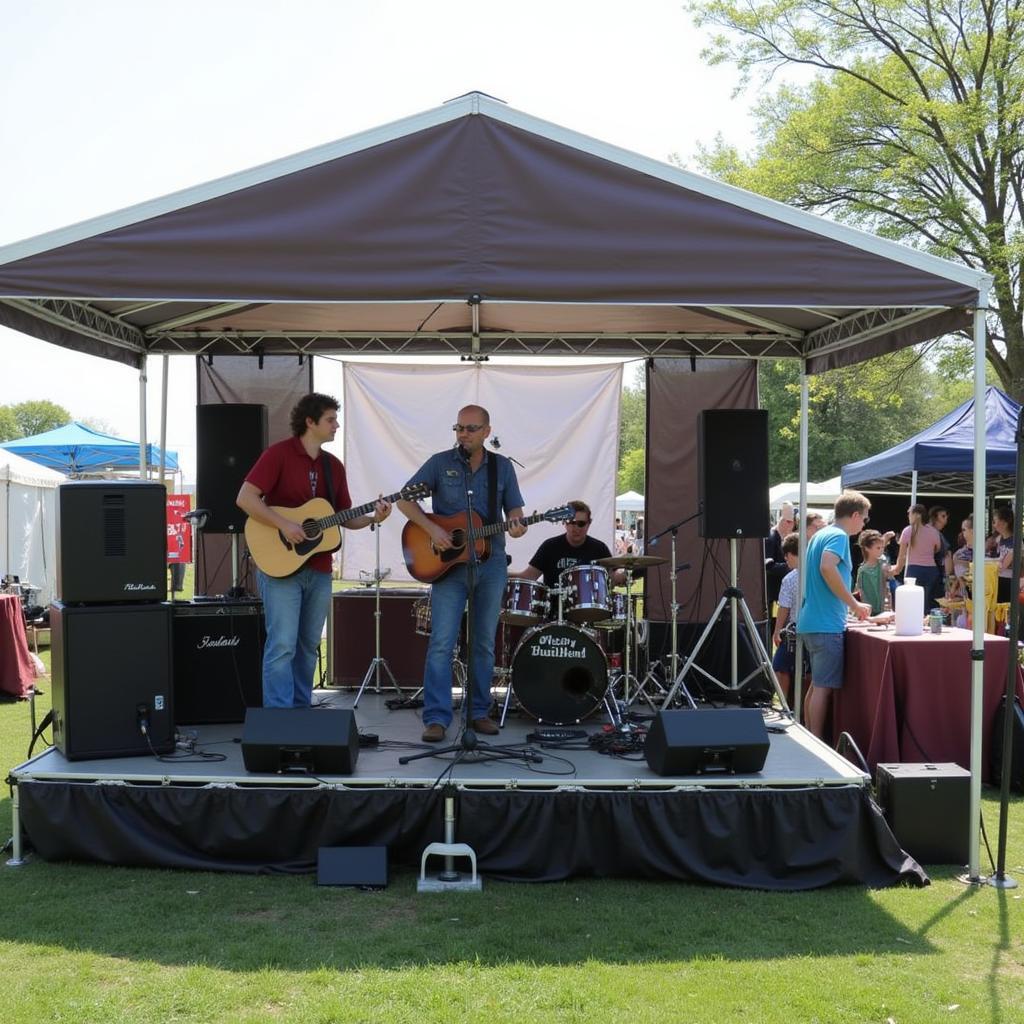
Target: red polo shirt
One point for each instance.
(286, 475)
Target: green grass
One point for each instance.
(82, 943)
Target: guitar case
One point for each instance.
(1017, 747)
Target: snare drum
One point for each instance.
(526, 602)
(586, 593)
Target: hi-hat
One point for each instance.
(631, 561)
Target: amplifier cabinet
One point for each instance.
(401, 646)
(218, 661)
(111, 674)
(927, 807)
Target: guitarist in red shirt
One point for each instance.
(289, 474)
(450, 475)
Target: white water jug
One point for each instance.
(909, 608)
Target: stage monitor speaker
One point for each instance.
(362, 866)
(218, 661)
(111, 676)
(229, 438)
(732, 740)
(733, 473)
(317, 741)
(928, 809)
(111, 541)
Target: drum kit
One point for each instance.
(561, 669)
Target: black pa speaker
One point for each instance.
(319, 741)
(362, 866)
(693, 742)
(111, 541)
(733, 473)
(218, 661)
(927, 807)
(229, 439)
(111, 676)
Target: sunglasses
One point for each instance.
(580, 525)
(470, 428)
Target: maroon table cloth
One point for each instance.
(17, 669)
(908, 698)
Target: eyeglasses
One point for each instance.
(579, 525)
(470, 428)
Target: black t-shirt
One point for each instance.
(557, 554)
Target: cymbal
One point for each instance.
(631, 561)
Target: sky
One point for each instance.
(117, 101)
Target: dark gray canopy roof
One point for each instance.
(474, 228)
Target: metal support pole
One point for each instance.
(143, 461)
(801, 528)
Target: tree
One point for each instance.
(36, 417)
(911, 127)
(8, 424)
(631, 471)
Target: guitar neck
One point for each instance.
(351, 513)
(495, 528)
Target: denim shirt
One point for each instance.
(445, 472)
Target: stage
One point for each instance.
(806, 820)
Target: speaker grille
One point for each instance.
(115, 522)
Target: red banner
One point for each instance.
(179, 533)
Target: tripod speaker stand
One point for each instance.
(377, 663)
(732, 596)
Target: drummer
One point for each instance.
(568, 550)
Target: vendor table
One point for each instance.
(17, 670)
(908, 698)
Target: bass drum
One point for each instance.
(559, 674)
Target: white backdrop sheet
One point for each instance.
(561, 423)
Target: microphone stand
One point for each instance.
(674, 606)
(378, 662)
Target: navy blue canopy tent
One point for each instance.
(78, 450)
(942, 455)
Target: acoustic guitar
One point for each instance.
(427, 564)
(278, 556)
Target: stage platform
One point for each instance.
(806, 820)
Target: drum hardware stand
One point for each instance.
(377, 662)
(734, 596)
(627, 672)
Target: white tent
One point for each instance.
(818, 495)
(28, 493)
(629, 502)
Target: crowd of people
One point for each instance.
(832, 590)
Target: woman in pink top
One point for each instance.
(919, 544)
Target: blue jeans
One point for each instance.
(448, 600)
(295, 609)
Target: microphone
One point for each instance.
(653, 543)
(495, 442)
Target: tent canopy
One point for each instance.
(77, 450)
(474, 229)
(823, 494)
(19, 470)
(630, 501)
(943, 454)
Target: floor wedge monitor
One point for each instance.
(731, 740)
(314, 741)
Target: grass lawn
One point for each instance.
(82, 943)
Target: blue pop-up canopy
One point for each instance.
(943, 454)
(76, 450)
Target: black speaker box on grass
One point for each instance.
(732, 472)
(111, 674)
(318, 741)
(229, 440)
(691, 742)
(218, 661)
(363, 866)
(1016, 746)
(927, 807)
(111, 541)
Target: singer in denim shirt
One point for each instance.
(450, 475)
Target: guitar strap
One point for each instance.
(328, 482)
(492, 487)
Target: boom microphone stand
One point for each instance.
(377, 663)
